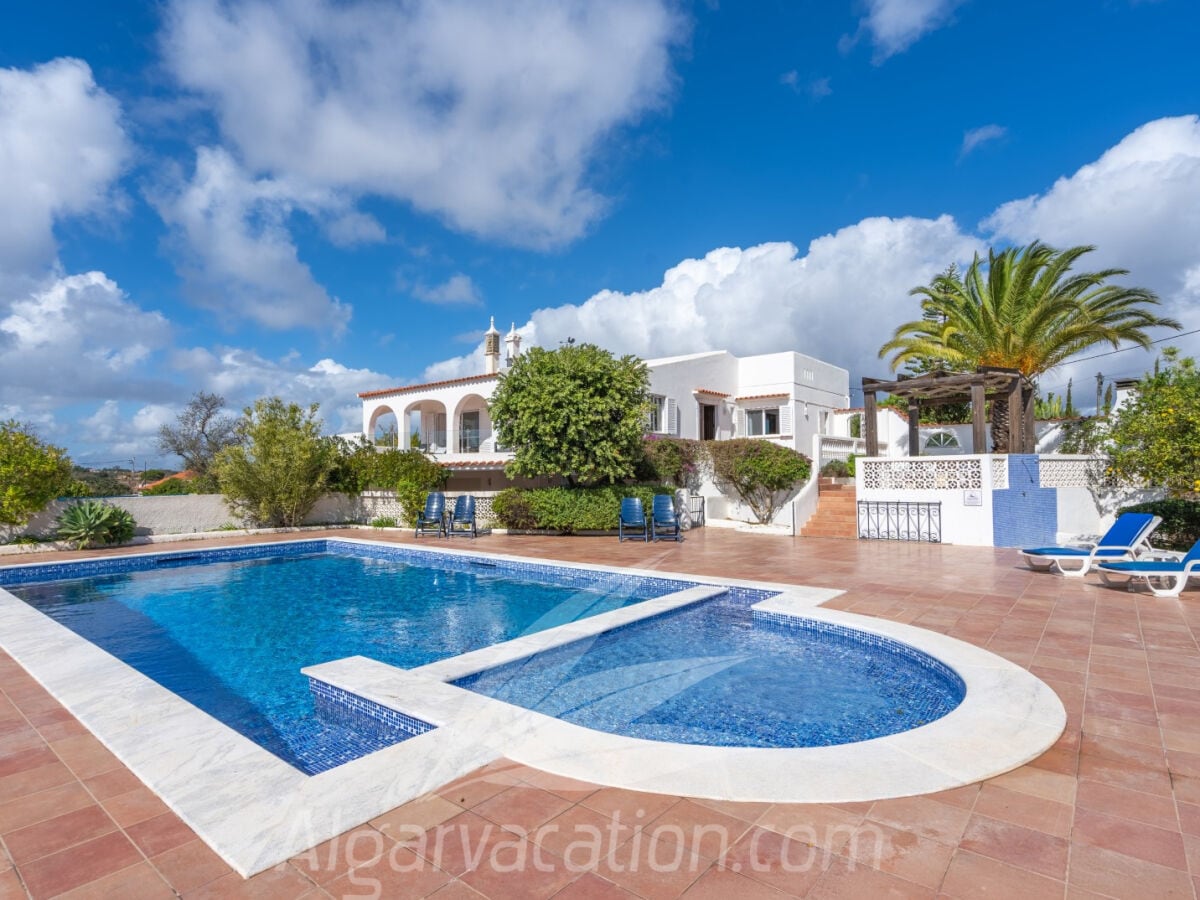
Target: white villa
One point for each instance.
(785, 397)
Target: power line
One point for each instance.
(1136, 346)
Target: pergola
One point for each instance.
(938, 388)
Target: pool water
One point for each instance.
(715, 674)
(232, 637)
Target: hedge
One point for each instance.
(1180, 527)
(569, 510)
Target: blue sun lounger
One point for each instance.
(1164, 577)
(633, 520)
(1124, 540)
(664, 523)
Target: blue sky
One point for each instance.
(312, 199)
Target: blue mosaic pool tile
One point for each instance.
(363, 715)
(853, 636)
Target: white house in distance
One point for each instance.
(784, 397)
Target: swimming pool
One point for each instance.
(716, 674)
(230, 635)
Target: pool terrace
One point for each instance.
(1113, 809)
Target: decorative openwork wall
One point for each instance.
(922, 473)
(999, 473)
(1074, 472)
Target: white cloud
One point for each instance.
(241, 376)
(485, 114)
(895, 25)
(839, 302)
(976, 137)
(457, 290)
(816, 88)
(61, 147)
(1139, 203)
(353, 228)
(237, 254)
(77, 338)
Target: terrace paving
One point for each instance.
(1113, 809)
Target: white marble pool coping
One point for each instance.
(256, 811)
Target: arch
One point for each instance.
(942, 442)
(427, 419)
(383, 427)
(472, 425)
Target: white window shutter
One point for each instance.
(742, 430)
(672, 422)
(785, 419)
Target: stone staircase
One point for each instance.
(836, 515)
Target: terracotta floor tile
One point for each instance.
(11, 887)
(905, 854)
(1117, 875)
(567, 788)
(776, 861)
(819, 824)
(592, 887)
(52, 835)
(1018, 846)
(477, 786)
(635, 807)
(656, 870)
(85, 756)
(746, 811)
(190, 866)
(78, 865)
(522, 808)
(159, 834)
(456, 890)
(138, 882)
(848, 879)
(274, 884)
(461, 843)
(1038, 783)
(698, 828)
(47, 804)
(924, 816)
(135, 806)
(581, 835)
(25, 759)
(1155, 845)
(1048, 816)
(1153, 809)
(416, 817)
(358, 847)
(30, 781)
(112, 783)
(399, 874)
(721, 884)
(973, 876)
(518, 868)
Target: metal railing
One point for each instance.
(899, 520)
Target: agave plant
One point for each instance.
(92, 523)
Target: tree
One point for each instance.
(279, 465)
(1155, 436)
(576, 412)
(1023, 310)
(32, 472)
(950, 413)
(200, 433)
(760, 473)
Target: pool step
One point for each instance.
(836, 515)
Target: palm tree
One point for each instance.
(1024, 310)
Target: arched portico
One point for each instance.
(472, 424)
(383, 427)
(427, 418)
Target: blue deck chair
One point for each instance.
(462, 520)
(1164, 577)
(633, 519)
(664, 523)
(432, 519)
(1126, 539)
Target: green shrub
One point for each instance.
(669, 460)
(569, 510)
(172, 487)
(760, 473)
(835, 468)
(383, 522)
(850, 464)
(1180, 527)
(93, 523)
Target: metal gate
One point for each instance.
(899, 520)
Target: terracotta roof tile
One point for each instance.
(710, 393)
(763, 396)
(409, 388)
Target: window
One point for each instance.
(941, 440)
(762, 421)
(657, 420)
(468, 432)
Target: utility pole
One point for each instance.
(1099, 391)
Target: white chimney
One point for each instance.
(491, 349)
(512, 343)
